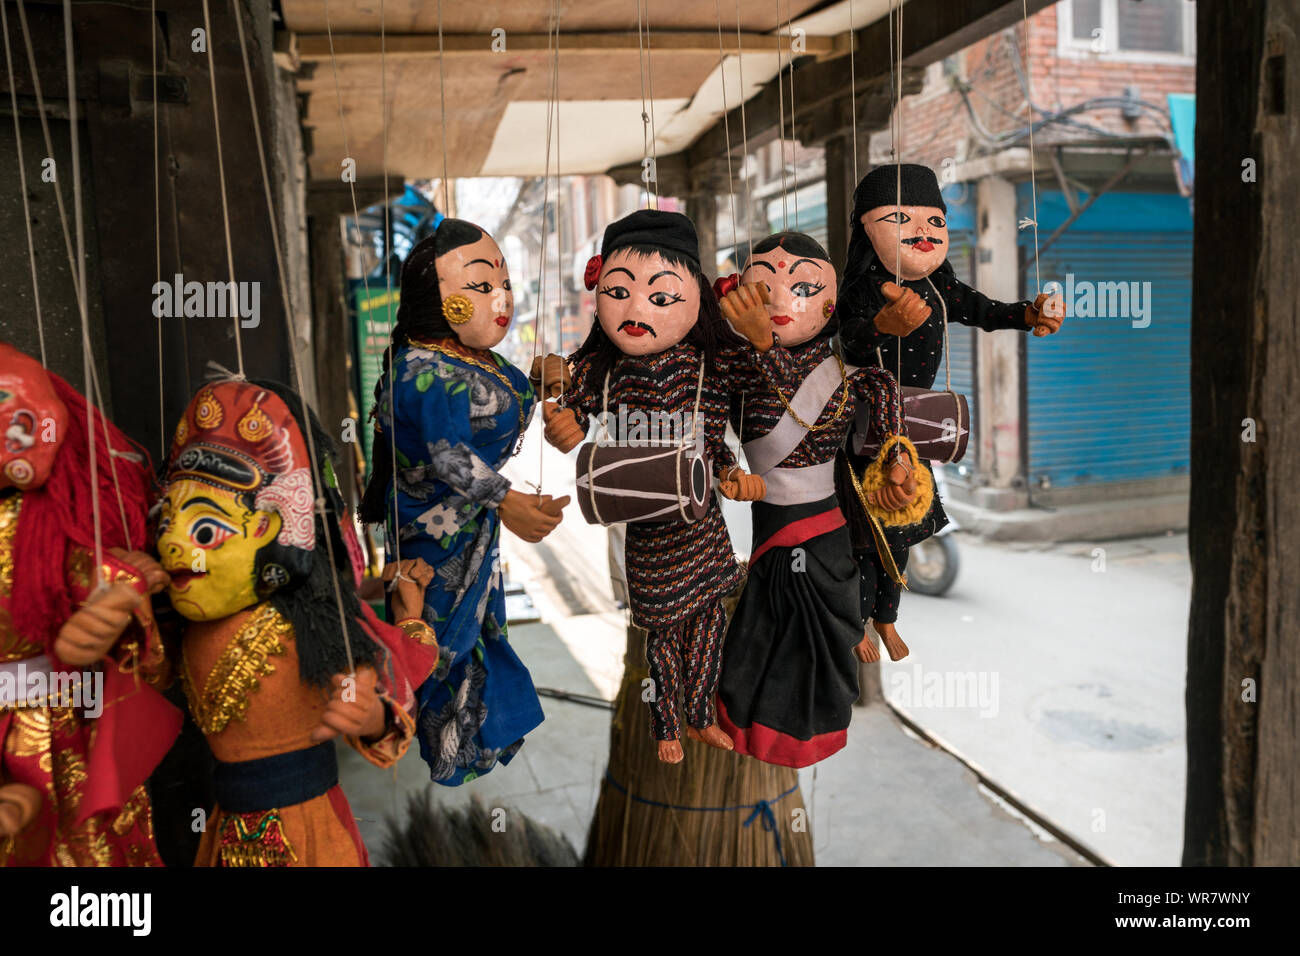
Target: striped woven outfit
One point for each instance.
(678, 573)
(789, 678)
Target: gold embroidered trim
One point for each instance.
(238, 671)
(9, 506)
(13, 646)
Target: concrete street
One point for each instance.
(1063, 684)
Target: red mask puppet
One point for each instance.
(32, 417)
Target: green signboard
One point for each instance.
(376, 315)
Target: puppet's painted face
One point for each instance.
(32, 421)
(924, 238)
(802, 292)
(208, 542)
(646, 304)
(475, 287)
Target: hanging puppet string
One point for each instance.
(221, 180)
(744, 135)
(780, 99)
(442, 104)
(80, 273)
(853, 91)
(22, 183)
(559, 216)
(157, 225)
(94, 395)
(1033, 179)
(650, 148)
(388, 258)
(794, 142)
(731, 186)
(552, 124)
(539, 327)
(356, 220)
(286, 305)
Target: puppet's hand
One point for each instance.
(93, 630)
(155, 577)
(745, 307)
(18, 806)
(354, 710)
(555, 371)
(899, 489)
(412, 581)
(562, 429)
(1046, 314)
(739, 485)
(904, 312)
(531, 517)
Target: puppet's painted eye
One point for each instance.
(615, 291)
(937, 222)
(807, 290)
(483, 287)
(210, 533)
(663, 299)
(506, 285)
(897, 216)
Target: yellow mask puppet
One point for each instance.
(237, 518)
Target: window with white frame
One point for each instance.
(1133, 29)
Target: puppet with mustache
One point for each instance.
(899, 290)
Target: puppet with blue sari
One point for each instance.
(456, 412)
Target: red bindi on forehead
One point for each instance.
(781, 264)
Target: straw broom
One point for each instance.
(626, 831)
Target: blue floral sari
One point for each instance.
(459, 419)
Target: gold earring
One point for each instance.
(457, 309)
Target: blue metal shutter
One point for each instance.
(961, 338)
(1108, 401)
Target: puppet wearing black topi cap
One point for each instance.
(898, 292)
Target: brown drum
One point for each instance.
(661, 483)
(938, 423)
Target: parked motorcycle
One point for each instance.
(932, 565)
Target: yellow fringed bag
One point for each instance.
(873, 479)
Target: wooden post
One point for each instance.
(1243, 661)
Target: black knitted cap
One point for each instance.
(880, 187)
(670, 231)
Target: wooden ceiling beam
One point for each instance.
(932, 30)
(316, 46)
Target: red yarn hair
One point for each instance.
(59, 515)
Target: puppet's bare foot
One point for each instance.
(713, 735)
(670, 751)
(866, 650)
(893, 643)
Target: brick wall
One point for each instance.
(937, 123)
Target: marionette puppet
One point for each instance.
(789, 674)
(270, 671)
(898, 294)
(82, 724)
(456, 412)
(660, 352)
